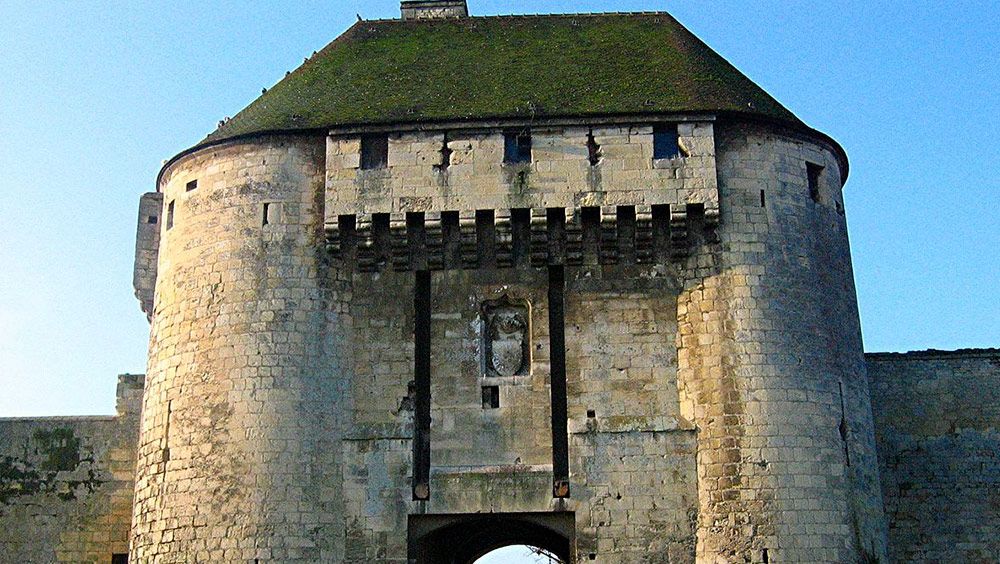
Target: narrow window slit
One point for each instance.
(267, 209)
(446, 152)
(593, 149)
(170, 215)
(813, 172)
(844, 430)
(763, 203)
(166, 432)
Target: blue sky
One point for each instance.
(94, 95)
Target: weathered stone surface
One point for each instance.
(147, 249)
(770, 362)
(66, 483)
(559, 176)
(937, 422)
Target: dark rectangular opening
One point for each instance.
(451, 236)
(520, 221)
(661, 233)
(557, 356)
(665, 144)
(170, 215)
(381, 239)
(517, 146)
(119, 559)
(590, 223)
(267, 209)
(813, 172)
(151, 219)
(555, 231)
(626, 234)
(486, 236)
(348, 237)
(416, 240)
(422, 385)
(491, 397)
(374, 151)
(191, 186)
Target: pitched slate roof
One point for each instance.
(501, 67)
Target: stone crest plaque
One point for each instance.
(506, 337)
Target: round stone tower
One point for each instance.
(419, 301)
(239, 432)
(771, 362)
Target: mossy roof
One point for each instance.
(505, 67)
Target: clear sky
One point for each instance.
(94, 95)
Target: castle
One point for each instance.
(463, 282)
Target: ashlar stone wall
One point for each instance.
(631, 456)
(559, 175)
(147, 250)
(239, 452)
(770, 364)
(66, 483)
(937, 423)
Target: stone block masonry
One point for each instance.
(239, 452)
(937, 423)
(147, 249)
(66, 483)
(770, 365)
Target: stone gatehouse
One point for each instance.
(461, 282)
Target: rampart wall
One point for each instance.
(937, 423)
(66, 483)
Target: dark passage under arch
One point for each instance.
(462, 539)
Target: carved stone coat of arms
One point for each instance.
(505, 338)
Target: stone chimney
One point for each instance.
(433, 9)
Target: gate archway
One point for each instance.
(463, 539)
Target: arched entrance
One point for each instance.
(463, 539)
(519, 554)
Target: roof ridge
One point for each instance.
(526, 16)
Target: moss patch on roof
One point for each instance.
(391, 71)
